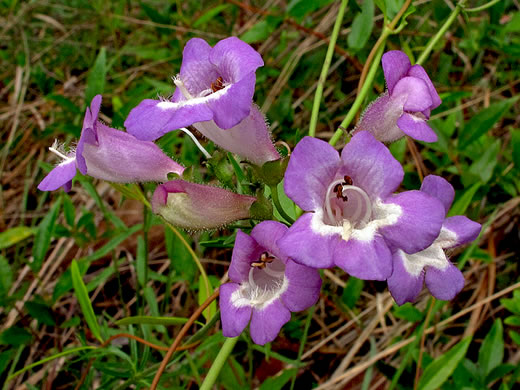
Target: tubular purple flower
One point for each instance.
(353, 218)
(109, 154)
(443, 279)
(214, 92)
(197, 206)
(250, 139)
(266, 286)
(406, 106)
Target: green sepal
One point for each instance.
(272, 172)
(219, 166)
(262, 208)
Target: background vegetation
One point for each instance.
(73, 266)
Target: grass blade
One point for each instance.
(84, 301)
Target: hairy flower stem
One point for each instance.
(325, 68)
(179, 337)
(217, 365)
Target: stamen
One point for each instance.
(340, 188)
(178, 82)
(58, 153)
(196, 142)
(328, 206)
(218, 84)
(55, 148)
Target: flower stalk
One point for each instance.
(433, 41)
(219, 362)
(359, 98)
(325, 68)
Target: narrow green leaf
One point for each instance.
(113, 243)
(352, 291)
(40, 312)
(512, 321)
(486, 163)
(6, 276)
(514, 23)
(96, 76)
(499, 372)
(15, 336)
(261, 30)
(42, 240)
(15, 235)
(141, 261)
(299, 8)
(84, 300)
(69, 210)
(279, 381)
(64, 283)
(483, 121)
(441, 368)
(209, 15)
(181, 260)
(203, 295)
(153, 320)
(515, 144)
(461, 204)
(48, 359)
(5, 358)
(515, 336)
(491, 351)
(408, 312)
(362, 26)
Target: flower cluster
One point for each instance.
(353, 215)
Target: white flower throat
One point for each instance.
(266, 283)
(218, 85)
(347, 205)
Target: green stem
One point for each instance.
(302, 344)
(278, 205)
(203, 273)
(482, 7)
(141, 197)
(325, 68)
(421, 346)
(367, 85)
(433, 41)
(217, 365)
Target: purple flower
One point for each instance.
(109, 154)
(353, 217)
(431, 265)
(249, 139)
(214, 92)
(266, 285)
(406, 106)
(196, 206)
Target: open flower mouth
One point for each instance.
(347, 205)
(266, 281)
(218, 85)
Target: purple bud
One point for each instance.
(406, 106)
(109, 154)
(196, 206)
